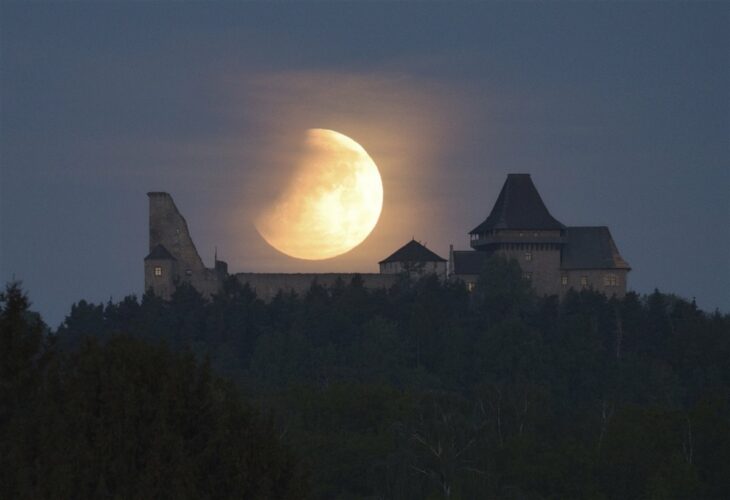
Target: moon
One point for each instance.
(331, 203)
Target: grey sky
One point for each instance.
(621, 112)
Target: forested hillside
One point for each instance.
(126, 419)
(421, 391)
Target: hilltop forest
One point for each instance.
(424, 390)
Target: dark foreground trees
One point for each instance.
(125, 419)
(429, 391)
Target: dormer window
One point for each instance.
(158, 271)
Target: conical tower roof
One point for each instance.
(518, 206)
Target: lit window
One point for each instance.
(528, 255)
(584, 281)
(527, 276)
(564, 279)
(470, 286)
(610, 280)
(158, 271)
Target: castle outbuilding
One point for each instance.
(414, 259)
(553, 257)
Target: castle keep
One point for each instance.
(553, 257)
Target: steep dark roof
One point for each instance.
(591, 248)
(160, 253)
(518, 206)
(469, 261)
(413, 251)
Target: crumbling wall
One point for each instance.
(168, 228)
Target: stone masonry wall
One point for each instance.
(267, 285)
(169, 228)
(595, 281)
(164, 285)
(437, 268)
(543, 266)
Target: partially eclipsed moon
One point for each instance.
(331, 204)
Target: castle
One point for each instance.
(553, 257)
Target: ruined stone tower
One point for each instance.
(173, 257)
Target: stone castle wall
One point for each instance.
(542, 266)
(267, 285)
(437, 268)
(596, 280)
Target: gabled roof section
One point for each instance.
(412, 251)
(518, 206)
(591, 248)
(160, 253)
(469, 261)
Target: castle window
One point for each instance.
(584, 281)
(564, 279)
(610, 280)
(158, 271)
(527, 276)
(528, 255)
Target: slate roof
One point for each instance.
(412, 251)
(160, 253)
(518, 206)
(469, 261)
(591, 248)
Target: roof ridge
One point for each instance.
(413, 251)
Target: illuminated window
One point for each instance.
(584, 281)
(528, 255)
(610, 280)
(158, 271)
(564, 279)
(527, 276)
(470, 286)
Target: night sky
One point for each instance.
(621, 113)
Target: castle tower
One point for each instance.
(553, 257)
(521, 227)
(173, 257)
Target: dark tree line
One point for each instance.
(126, 419)
(427, 390)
